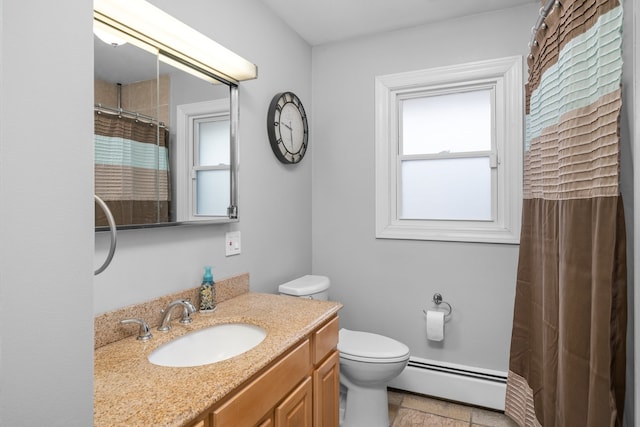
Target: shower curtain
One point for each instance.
(567, 358)
(131, 170)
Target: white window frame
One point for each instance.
(504, 76)
(187, 115)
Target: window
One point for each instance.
(203, 161)
(449, 153)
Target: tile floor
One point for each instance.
(413, 410)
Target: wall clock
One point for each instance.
(287, 127)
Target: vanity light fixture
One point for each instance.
(191, 69)
(173, 39)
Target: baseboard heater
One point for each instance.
(469, 385)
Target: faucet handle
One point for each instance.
(187, 309)
(143, 333)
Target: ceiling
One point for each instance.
(324, 21)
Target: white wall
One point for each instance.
(46, 205)
(275, 200)
(385, 284)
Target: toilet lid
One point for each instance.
(363, 346)
(305, 285)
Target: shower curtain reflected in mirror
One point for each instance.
(567, 361)
(131, 170)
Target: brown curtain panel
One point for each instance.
(131, 170)
(567, 359)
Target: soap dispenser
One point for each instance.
(207, 292)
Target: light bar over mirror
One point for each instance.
(173, 39)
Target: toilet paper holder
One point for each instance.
(437, 300)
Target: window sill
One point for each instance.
(469, 234)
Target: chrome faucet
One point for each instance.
(187, 310)
(143, 332)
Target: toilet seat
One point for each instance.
(372, 348)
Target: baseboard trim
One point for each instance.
(466, 384)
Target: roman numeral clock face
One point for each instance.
(287, 127)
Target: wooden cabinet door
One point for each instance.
(326, 392)
(200, 423)
(296, 409)
(267, 423)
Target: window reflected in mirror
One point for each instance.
(211, 165)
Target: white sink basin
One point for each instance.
(208, 345)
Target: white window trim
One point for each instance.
(505, 74)
(186, 114)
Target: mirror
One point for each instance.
(165, 146)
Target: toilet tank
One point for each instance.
(309, 286)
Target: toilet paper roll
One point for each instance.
(435, 325)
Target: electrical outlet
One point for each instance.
(232, 243)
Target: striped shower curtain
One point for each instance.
(567, 359)
(131, 170)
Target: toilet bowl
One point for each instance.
(367, 363)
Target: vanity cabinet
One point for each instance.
(299, 389)
(326, 376)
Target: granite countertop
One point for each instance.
(130, 391)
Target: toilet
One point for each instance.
(367, 362)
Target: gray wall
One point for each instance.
(385, 284)
(47, 301)
(46, 211)
(275, 200)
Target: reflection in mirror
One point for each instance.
(149, 170)
(130, 138)
(203, 168)
(211, 165)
